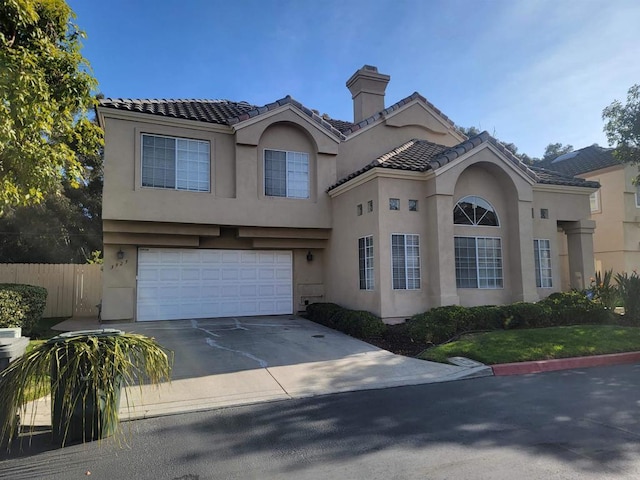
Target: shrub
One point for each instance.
(603, 291)
(629, 288)
(358, 323)
(322, 313)
(487, 317)
(526, 315)
(575, 308)
(440, 324)
(21, 305)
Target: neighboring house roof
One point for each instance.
(421, 155)
(581, 161)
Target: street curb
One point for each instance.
(522, 368)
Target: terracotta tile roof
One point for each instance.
(212, 111)
(222, 112)
(550, 177)
(421, 155)
(580, 161)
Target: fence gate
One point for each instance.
(73, 290)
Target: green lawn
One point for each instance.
(506, 346)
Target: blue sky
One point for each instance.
(531, 72)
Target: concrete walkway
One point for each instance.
(239, 361)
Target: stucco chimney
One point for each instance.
(367, 88)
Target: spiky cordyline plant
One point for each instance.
(87, 371)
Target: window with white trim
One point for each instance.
(286, 174)
(594, 201)
(405, 261)
(365, 262)
(478, 262)
(473, 210)
(542, 253)
(638, 195)
(176, 163)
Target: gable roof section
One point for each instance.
(581, 161)
(421, 155)
(221, 112)
(348, 128)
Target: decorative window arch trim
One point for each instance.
(475, 211)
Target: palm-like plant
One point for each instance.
(84, 371)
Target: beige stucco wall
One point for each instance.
(237, 193)
(617, 236)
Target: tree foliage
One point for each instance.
(66, 227)
(45, 97)
(554, 150)
(622, 126)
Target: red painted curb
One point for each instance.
(539, 366)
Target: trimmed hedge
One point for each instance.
(441, 324)
(357, 323)
(21, 305)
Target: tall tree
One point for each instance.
(622, 127)
(45, 97)
(66, 227)
(554, 150)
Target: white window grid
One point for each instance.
(542, 253)
(485, 217)
(405, 261)
(478, 262)
(286, 174)
(365, 260)
(175, 163)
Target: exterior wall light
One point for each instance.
(120, 254)
(309, 256)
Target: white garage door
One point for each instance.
(183, 283)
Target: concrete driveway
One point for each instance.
(235, 361)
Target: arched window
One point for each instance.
(472, 210)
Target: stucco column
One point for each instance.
(440, 276)
(580, 249)
(522, 257)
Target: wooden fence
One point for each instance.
(74, 290)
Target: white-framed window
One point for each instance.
(478, 262)
(476, 211)
(365, 262)
(394, 204)
(405, 261)
(638, 195)
(176, 163)
(594, 201)
(542, 252)
(286, 174)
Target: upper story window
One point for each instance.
(394, 204)
(472, 210)
(413, 205)
(177, 163)
(286, 174)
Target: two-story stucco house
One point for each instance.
(615, 207)
(214, 208)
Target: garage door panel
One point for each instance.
(190, 283)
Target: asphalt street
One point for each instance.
(580, 424)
